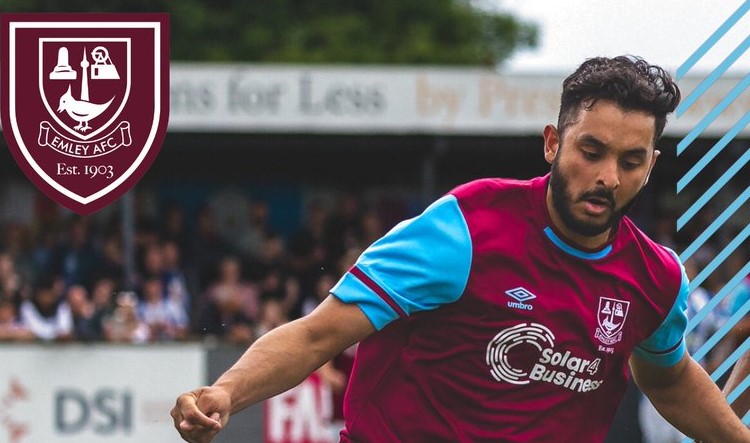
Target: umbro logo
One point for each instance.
(521, 295)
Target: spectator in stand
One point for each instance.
(17, 244)
(322, 289)
(103, 302)
(206, 248)
(125, 326)
(273, 276)
(348, 259)
(166, 320)
(291, 299)
(250, 241)
(161, 261)
(344, 226)
(76, 258)
(82, 311)
(112, 261)
(272, 258)
(272, 316)
(11, 328)
(173, 226)
(152, 262)
(307, 253)
(47, 314)
(664, 230)
(372, 228)
(43, 248)
(12, 285)
(146, 232)
(173, 278)
(223, 317)
(230, 280)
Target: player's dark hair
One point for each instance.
(629, 81)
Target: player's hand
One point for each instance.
(200, 414)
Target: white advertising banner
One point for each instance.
(265, 98)
(93, 394)
(393, 100)
(301, 414)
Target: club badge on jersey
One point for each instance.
(611, 318)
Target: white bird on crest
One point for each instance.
(81, 110)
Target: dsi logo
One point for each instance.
(521, 295)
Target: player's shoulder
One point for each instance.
(656, 255)
(484, 191)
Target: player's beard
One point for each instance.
(563, 202)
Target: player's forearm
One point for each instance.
(695, 405)
(277, 361)
(740, 372)
(285, 356)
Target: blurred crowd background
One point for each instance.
(198, 275)
(64, 278)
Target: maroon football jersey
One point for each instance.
(495, 328)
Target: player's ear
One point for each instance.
(651, 166)
(551, 143)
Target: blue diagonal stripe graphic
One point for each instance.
(716, 187)
(723, 368)
(715, 150)
(711, 342)
(732, 359)
(717, 299)
(740, 387)
(711, 41)
(719, 259)
(711, 116)
(715, 225)
(714, 305)
(713, 76)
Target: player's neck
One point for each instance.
(583, 241)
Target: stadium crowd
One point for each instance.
(64, 278)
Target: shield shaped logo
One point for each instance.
(85, 101)
(611, 318)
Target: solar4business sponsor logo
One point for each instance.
(558, 367)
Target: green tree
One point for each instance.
(323, 31)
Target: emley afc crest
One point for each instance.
(85, 101)
(611, 316)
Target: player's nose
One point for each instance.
(608, 175)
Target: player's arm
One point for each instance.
(686, 396)
(276, 362)
(677, 386)
(739, 373)
(420, 264)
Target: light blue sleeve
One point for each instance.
(666, 346)
(420, 264)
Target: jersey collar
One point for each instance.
(558, 239)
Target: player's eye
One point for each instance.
(631, 164)
(591, 155)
